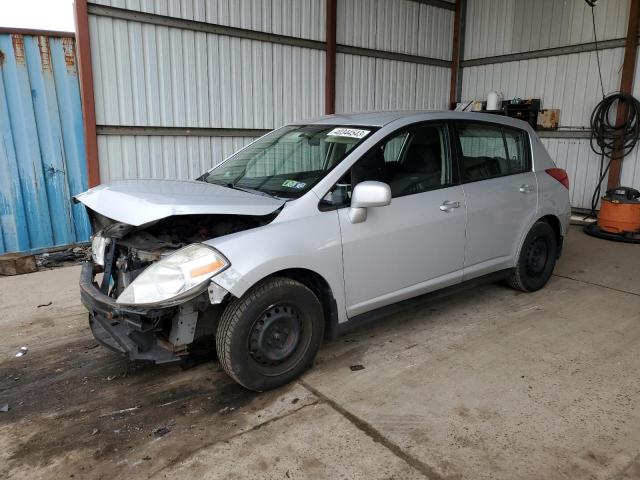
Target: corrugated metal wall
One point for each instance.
(149, 75)
(569, 81)
(188, 79)
(149, 72)
(176, 156)
(407, 27)
(498, 27)
(365, 83)
(42, 159)
(401, 26)
(582, 166)
(295, 18)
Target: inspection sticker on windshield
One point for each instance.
(348, 132)
(294, 184)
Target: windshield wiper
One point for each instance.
(250, 190)
(242, 189)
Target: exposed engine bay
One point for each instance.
(135, 248)
(159, 333)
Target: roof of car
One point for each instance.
(377, 119)
(380, 119)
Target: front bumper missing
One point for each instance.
(127, 330)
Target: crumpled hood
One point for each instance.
(136, 202)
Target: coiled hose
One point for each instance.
(607, 137)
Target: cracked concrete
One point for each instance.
(490, 383)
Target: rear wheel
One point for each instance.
(271, 335)
(537, 259)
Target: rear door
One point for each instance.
(500, 190)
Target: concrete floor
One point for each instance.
(491, 383)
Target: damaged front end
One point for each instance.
(163, 329)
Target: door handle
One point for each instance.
(526, 188)
(448, 205)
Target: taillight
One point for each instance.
(560, 175)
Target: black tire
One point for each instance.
(537, 259)
(270, 335)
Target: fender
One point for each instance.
(290, 241)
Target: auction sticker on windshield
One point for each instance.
(348, 132)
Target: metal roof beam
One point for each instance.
(547, 52)
(162, 20)
(184, 24)
(438, 4)
(400, 57)
(123, 130)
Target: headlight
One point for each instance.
(175, 276)
(98, 248)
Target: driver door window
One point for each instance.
(412, 161)
(390, 256)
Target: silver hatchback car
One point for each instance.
(314, 227)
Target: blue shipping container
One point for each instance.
(42, 153)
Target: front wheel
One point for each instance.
(537, 259)
(270, 335)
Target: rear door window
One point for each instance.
(489, 151)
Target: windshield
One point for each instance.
(289, 161)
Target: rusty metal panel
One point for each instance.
(295, 18)
(184, 157)
(42, 160)
(397, 26)
(365, 84)
(499, 27)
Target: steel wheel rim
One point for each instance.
(537, 256)
(276, 338)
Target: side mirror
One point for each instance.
(368, 194)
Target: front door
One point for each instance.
(501, 194)
(415, 244)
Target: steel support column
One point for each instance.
(330, 59)
(626, 85)
(456, 55)
(83, 52)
